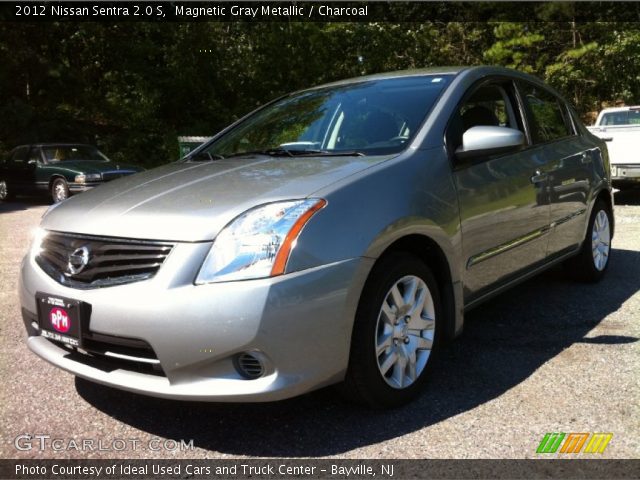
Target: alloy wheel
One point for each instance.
(600, 240)
(59, 191)
(405, 332)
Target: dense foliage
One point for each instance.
(132, 88)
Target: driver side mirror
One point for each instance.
(483, 141)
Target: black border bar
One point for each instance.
(320, 468)
(317, 11)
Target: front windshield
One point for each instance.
(63, 153)
(368, 118)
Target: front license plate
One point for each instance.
(60, 319)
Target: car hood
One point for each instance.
(194, 201)
(93, 166)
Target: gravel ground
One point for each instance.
(548, 356)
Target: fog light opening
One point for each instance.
(249, 365)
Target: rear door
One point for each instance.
(504, 206)
(33, 167)
(570, 163)
(16, 169)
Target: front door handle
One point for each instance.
(538, 177)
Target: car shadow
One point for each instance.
(505, 341)
(627, 197)
(23, 203)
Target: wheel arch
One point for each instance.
(431, 253)
(607, 197)
(54, 177)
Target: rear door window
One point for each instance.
(34, 155)
(548, 115)
(19, 156)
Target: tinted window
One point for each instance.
(20, 155)
(548, 116)
(372, 117)
(34, 155)
(630, 117)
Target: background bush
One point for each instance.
(132, 88)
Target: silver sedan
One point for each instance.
(336, 235)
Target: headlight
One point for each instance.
(88, 177)
(36, 243)
(257, 243)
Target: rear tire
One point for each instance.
(593, 260)
(5, 193)
(395, 334)
(59, 190)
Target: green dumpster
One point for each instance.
(189, 143)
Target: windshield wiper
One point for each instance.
(272, 152)
(328, 153)
(286, 152)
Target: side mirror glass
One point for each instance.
(485, 140)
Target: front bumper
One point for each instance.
(83, 187)
(299, 323)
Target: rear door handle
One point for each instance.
(538, 177)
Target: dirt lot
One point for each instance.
(548, 356)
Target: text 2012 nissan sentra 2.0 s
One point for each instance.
(335, 235)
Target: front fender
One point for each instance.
(411, 194)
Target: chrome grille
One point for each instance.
(107, 262)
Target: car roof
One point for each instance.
(479, 70)
(620, 109)
(396, 74)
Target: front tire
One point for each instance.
(395, 334)
(592, 262)
(59, 190)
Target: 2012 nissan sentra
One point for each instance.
(336, 235)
